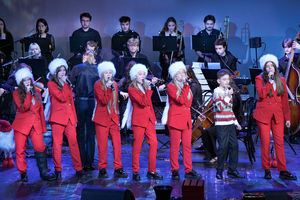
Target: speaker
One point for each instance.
(163, 192)
(104, 193)
(255, 42)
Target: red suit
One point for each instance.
(29, 121)
(180, 126)
(270, 114)
(143, 123)
(63, 119)
(106, 123)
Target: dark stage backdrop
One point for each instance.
(273, 20)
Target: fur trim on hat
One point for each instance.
(175, 67)
(135, 70)
(56, 63)
(267, 58)
(22, 74)
(106, 65)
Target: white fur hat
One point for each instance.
(56, 63)
(22, 74)
(267, 58)
(106, 65)
(135, 70)
(175, 67)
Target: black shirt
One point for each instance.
(121, 34)
(47, 53)
(227, 61)
(283, 62)
(7, 46)
(90, 33)
(83, 77)
(210, 39)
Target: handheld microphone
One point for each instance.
(188, 81)
(228, 87)
(31, 91)
(69, 82)
(272, 77)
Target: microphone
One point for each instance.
(188, 81)
(272, 77)
(228, 87)
(69, 82)
(31, 91)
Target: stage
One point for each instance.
(70, 188)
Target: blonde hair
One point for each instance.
(33, 45)
(179, 89)
(133, 41)
(135, 85)
(115, 100)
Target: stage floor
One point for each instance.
(70, 188)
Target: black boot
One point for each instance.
(58, 176)
(24, 177)
(41, 160)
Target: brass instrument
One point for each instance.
(226, 29)
(180, 26)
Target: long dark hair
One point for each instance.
(170, 19)
(4, 25)
(22, 93)
(54, 77)
(191, 74)
(43, 21)
(279, 83)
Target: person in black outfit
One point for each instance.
(196, 91)
(224, 57)
(6, 48)
(170, 29)
(83, 77)
(84, 32)
(125, 33)
(288, 44)
(42, 30)
(209, 35)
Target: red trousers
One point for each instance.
(138, 137)
(102, 142)
(57, 133)
(185, 136)
(20, 141)
(278, 133)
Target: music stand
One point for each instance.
(77, 44)
(38, 66)
(165, 43)
(211, 77)
(42, 42)
(253, 73)
(119, 43)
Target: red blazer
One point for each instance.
(101, 116)
(29, 115)
(62, 104)
(267, 106)
(142, 107)
(179, 115)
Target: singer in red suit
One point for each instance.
(272, 113)
(63, 117)
(29, 122)
(142, 120)
(106, 118)
(179, 120)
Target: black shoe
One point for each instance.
(41, 160)
(136, 177)
(24, 177)
(219, 175)
(88, 168)
(154, 175)
(175, 175)
(119, 173)
(192, 175)
(58, 176)
(102, 173)
(234, 174)
(79, 174)
(267, 174)
(287, 176)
